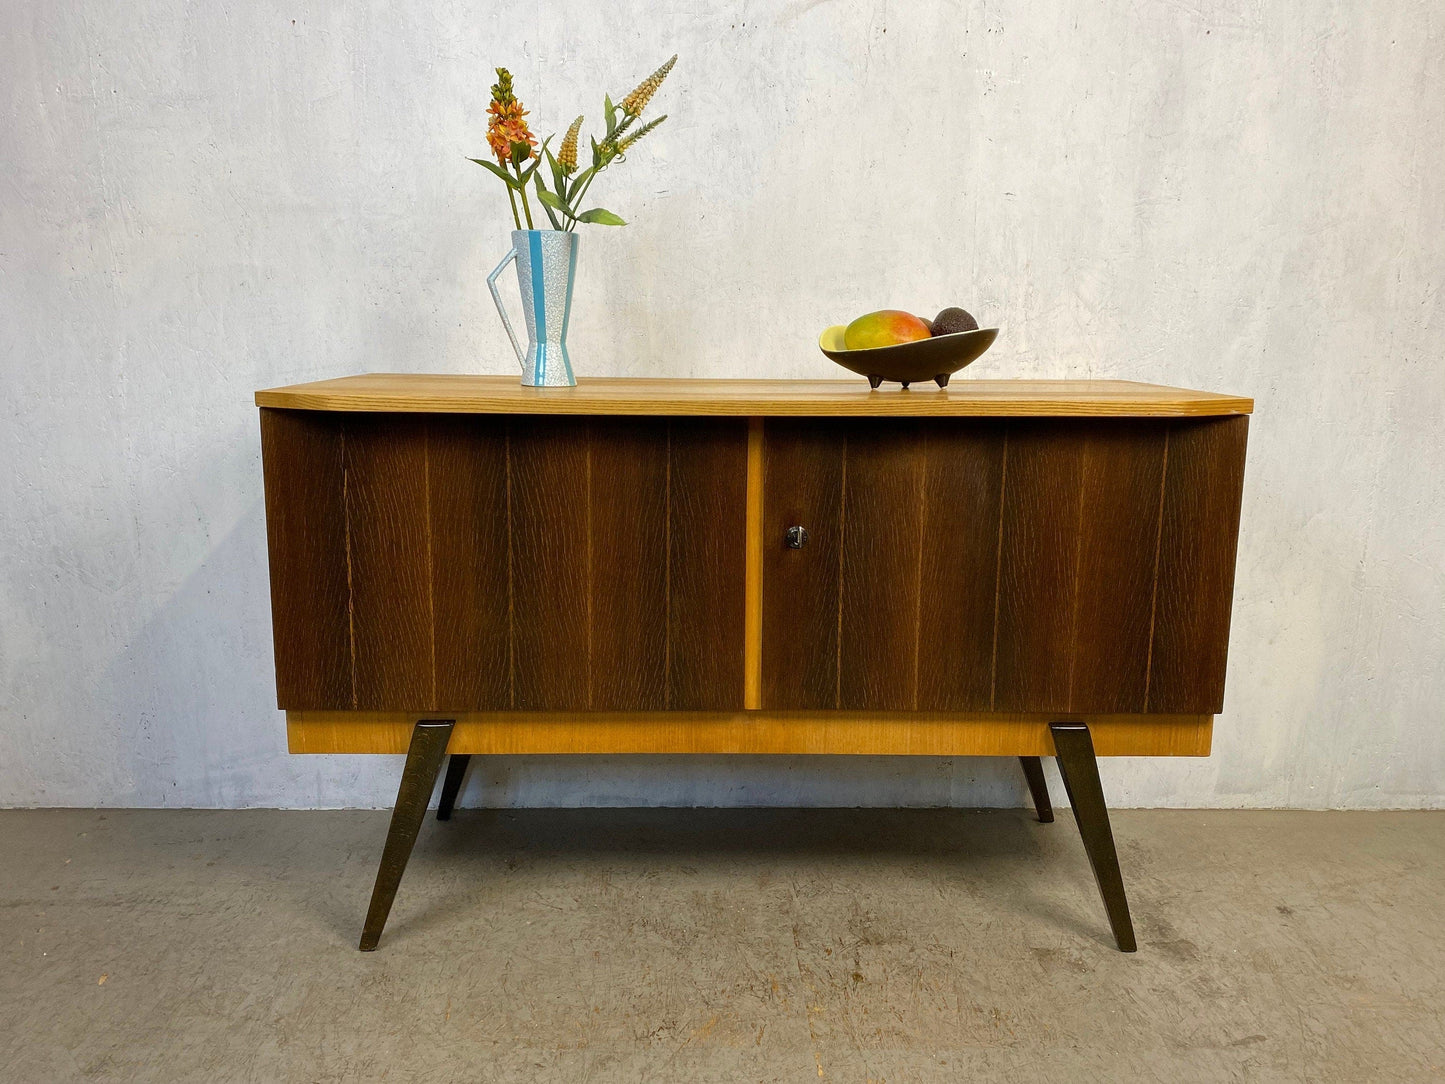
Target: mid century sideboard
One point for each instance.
(1003, 568)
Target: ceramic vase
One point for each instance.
(546, 266)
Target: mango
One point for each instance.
(887, 327)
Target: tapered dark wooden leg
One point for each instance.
(1038, 787)
(452, 784)
(423, 761)
(1080, 769)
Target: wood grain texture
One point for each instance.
(803, 479)
(963, 482)
(457, 393)
(707, 562)
(1203, 486)
(467, 482)
(832, 733)
(981, 567)
(882, 533)
(551, 564)
(629, 563)
(387, 515)
(302, 455)
(1038, 562)
(469, 563)
(1119, 502)
(1079, 538)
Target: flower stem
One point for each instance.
(583, 191)
(526, 209)
(513, 200)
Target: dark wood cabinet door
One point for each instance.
(480, 563)
(1039, 565)
(629, 563)
(890, 605)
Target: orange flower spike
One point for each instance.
(506, 125)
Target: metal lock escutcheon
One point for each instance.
(796, 537)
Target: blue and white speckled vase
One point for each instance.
(546, 265)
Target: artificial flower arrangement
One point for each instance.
(546, 260)
(518, 156)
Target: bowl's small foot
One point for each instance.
(905, 384)
(874, 381)
(941, 380)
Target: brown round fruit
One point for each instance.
(953, 320)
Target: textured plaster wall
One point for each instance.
(197, 200)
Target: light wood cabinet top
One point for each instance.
(469, 394)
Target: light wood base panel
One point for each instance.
(912, 734)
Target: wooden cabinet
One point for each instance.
(490, 563)
(462, 565)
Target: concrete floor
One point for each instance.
(700, 945)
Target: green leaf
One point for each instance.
(596, 153)
(611, 111)
(599, 217)
(549, 199)
(526, 174)
(544, 196)
(510, 181)
(521, 151)
(559, 179)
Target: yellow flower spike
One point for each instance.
(567, 156)
(637, 101)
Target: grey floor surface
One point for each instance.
(702, 945)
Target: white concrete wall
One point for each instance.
(199, 199)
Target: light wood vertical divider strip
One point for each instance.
(753, 589)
